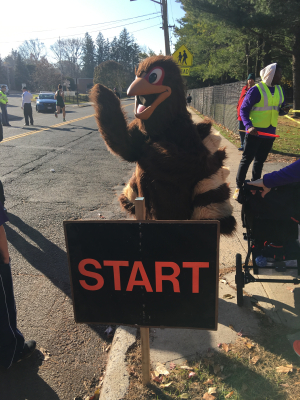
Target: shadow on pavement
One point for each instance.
(47, 258)
(14, 118)
(22, 382)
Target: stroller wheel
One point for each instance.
(239, 280)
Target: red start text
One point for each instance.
(138, 267)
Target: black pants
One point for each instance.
(2, 197)
(28, 113)
(242, 134)
(11, 339)
(255, 148)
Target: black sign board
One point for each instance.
(150, 273)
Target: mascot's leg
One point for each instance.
(129, 194)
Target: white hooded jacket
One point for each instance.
(267, 74)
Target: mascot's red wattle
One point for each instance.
(179, 168)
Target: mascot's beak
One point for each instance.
(141, 87)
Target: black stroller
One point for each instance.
(272, 233)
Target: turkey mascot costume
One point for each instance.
(179, 168)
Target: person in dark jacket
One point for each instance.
(13, 347)
(250, 83)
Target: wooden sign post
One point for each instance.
(140, 213)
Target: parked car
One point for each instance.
(45, 102)
(7, 90)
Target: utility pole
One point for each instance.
(164, 7)
(164, 14)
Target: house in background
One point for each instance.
(84, 84)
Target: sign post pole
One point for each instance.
(140, 214)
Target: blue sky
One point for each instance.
(65, 18)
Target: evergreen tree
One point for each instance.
(100, 49)
(125, 48)
(2, 71)
(88, 58)
(115, 50)
(106, 51)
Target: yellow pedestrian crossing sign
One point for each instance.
(183, 57)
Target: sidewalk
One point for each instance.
(178, 345)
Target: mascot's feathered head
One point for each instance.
(158, 89)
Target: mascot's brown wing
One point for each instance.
(122, 139)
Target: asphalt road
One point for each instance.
(52, 172)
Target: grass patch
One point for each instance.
(286, 148)
(244, 370)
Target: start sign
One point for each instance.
(150, 273)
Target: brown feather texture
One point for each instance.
(179, 166)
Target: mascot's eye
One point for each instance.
(155, 75)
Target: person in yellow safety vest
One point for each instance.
(260, 109)
(3, 104)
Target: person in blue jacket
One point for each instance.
(13, 347)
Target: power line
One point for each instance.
(99, 23)
(78, 34)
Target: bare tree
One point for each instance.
(32, 49)
(67, 54)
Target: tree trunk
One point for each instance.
(296, 72)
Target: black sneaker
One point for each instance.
(28, 349)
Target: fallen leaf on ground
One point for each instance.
(249, 345)
(287, 368)
(191, 374)
(254, 359)
(184, 396)
(157, 378)
(223, 281)
(107, 348)
(227, 347)
(172, 365)
(161, 369)
(284, 385)
(186, 367)
(208, 396)
(212, 390)
(208, 382)
(231, 327)
(228, 296)
(291, 289)
(229, 395)
(44, 354)
(297, 383)
(166, 385)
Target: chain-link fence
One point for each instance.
(219, 103)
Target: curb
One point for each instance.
(116, 380)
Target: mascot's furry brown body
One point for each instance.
(179, 168)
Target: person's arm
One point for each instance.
(252, 97)
(4, 254)
(288, 174)
(63, 96)
(22, 105)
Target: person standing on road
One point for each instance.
(250, 83)
(26, 106)
(60, 102)
(13, 347)
(3, 103)
(189, 99)
(259, 112)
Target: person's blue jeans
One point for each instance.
(242, 134)
(4, 114)
(11, 339)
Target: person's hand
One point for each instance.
(260, 183)
(252, 131)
